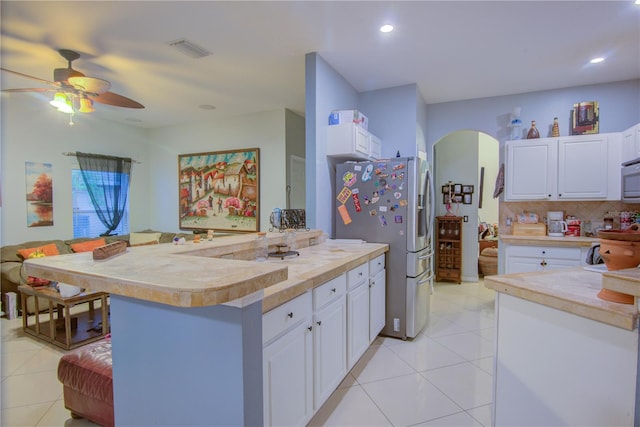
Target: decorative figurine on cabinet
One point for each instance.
(555, 129)
(533, 132)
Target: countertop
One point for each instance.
(548, 241)
(571, 290)
(194, 274)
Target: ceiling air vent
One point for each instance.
(189, 49)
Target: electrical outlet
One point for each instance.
(465, 218)
(396, 324)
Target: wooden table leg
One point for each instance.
(52, 323)
(23, 302)
(105, 314)
(67, 326)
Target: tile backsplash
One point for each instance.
(586, 211)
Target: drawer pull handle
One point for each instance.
(290, 315)
(360, 274)
(333, 290)
(543, 263)
(310, 328)
(319, 322)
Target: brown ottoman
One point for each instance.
(86, 376)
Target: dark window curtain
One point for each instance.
(107, 188)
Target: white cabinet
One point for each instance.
(351, 141)
(525, 259)
(377, 296)
(329, 338)
(375, 147)
(631, 143)
(287, 363)
(357, 313)
(584, 167)
(531, 169)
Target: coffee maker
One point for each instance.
(556, 225)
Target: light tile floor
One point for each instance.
(442, 377)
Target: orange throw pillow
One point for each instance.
(48, 250)
(89, 245)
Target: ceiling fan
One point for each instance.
(75, 92)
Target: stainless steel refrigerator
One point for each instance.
(391, 201)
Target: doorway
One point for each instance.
(470, 159)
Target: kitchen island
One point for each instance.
(187, 321)
(563, 356)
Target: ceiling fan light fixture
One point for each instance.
(86, 105)
(189, 49)
(62, 102)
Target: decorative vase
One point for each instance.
(533, 132)
(555, 129)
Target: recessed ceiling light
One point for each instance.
(597, 60)
(386, 28)
(638, 2)
(207, 107)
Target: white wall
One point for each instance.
(265, 131)
(488, 157)
(619, 109)
(32, 131)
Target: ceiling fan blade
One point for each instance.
(30, 89)
(89, 84)
(29, 77)
(114, 99)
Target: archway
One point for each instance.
(471, 159)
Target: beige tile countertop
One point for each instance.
(571, 290)
(548, 241)
(316, 265)
(199, 274)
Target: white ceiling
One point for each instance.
(453, 50)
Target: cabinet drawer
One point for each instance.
(357, 275)
(376, 264)
(544, 252)
(329, 291)
(285, 317)
(449, 274)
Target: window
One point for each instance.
(85, 219)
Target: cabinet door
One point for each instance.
(530, 170)
(361, 140)
(375, 147)
(377, 304)
(287, 378)
(631, 143)
(329, 349)
(583, 171)
(357, 323)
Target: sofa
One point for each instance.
(11, 256)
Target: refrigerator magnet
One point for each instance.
(343, 196)
(366, 200)
(398, 166)
(356, 201)
(397, 194)
(398, 219)
(376, 197)
(358, 168)
(366, 175)
(373, 212)
(403, 202)
(349, 178)
(382, 208)
(344, 214)
(383, 220)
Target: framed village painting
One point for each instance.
(220, 190)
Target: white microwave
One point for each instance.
(631, 181)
